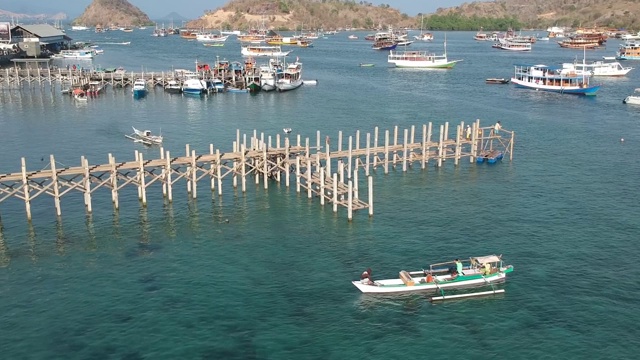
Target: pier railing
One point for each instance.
(332, 175)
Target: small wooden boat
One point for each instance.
(473, 272)
(144, 137)
(79, 94)
(367, 65)
(497, 81)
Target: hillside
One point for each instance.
(292, 14)
(543, 13)
(108, 12)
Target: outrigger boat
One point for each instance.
(476, 272)
(145, 137)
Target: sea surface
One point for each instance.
(266, 274)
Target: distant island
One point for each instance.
(112, 12)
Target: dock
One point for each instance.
(12, 77)
(332, 171)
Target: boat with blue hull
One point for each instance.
(139, 88)
(490, 156)
(554, 79)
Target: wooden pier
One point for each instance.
(13, 77)
(332, 175)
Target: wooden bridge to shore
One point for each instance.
(332, 175)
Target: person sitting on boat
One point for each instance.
(459, 267)
(365, 277)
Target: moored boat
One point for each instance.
(291, 77)
(194, 86)
(139, 88)
(474, 272)
(211, 37)
(554, 79)
(173, 87)
(384, 45)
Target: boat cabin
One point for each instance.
(551, 75)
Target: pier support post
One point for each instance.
(287, 164)
(243, 168)
(25, 188)
(355, 185)
(219, 171)
(429, 133)
(87, 183)
(350, 160)
(334, 192)
(441, 148)
(368, 155)
(309, 183)
(458, 140)
(511, 146)
(163, 174)
(350, 202)
(143, 187)
(212, 169)
(236, 147)
(298, 174)
(375, 146)
(322, 186)
(423, 163)
(194, 175)
(386, 151)
(339, 140)
(114, 182)
(56, 186)
(189, 169)
(265, 175)
(405, 151)
(370, 180)
(168, 177)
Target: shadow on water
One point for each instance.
(5, 259)
(60, 237)
(170, 220)
(31, 240)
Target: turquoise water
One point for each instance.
(266, 274)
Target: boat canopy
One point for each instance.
(487, 259)
(552, 68)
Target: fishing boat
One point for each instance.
(271, 51)
(144, 137)
(554, 79)
(139, 88)
(291, 77)
(95, 88)
(633, 99)
(600, 68)
(79, 94)
(384, 45)
(497, 81)
(475, 272)
(423, 35)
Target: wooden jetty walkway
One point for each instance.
(332, 175)
(14, 76)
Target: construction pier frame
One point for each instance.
(332, 175)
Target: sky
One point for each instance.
(195, 8)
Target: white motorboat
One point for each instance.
(271, 51)
(173, 87)
(633, 99)
(194, 86)
(78, 54)
(554, 79)
(291, 77)
(145, 137)
(211, 37)
(473, 272)
(139, 88)
(600, 68)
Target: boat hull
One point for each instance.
(139, 93)
(288, 86)
(632, 100)
(391, 286)
(577, 90)
(425, 64)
